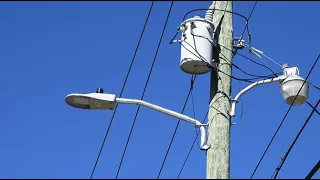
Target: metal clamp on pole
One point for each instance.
(241, 43)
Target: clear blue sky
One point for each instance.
(51, 49)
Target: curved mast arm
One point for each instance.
(203, 140)
(266, 81)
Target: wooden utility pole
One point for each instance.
(218, 156)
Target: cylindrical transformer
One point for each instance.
(196, 45)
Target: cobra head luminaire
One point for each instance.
(97, 100)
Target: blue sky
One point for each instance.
(51, 49)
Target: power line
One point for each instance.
(246, 27)
(191, 148)
(213, 68)
(209, 122)
(294, 142)
(314, 86)
(203, 59)
(214, 9)
(145, 87)
(176, 128)
(254, 6)
(313, 107)
(202, 9)
(275, 74)
(284, 117)
(190, 91)
(313, 171)
(232, 63)
(123, 86)
(249, 74)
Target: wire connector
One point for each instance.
(241, 43)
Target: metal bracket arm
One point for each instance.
(203, 145)
(235, 100)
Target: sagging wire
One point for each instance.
(214, 9)
(176, 128)
(247, 24)
(213, 68)
(233, 64)
(275, 74)
(191, 148)
(179, 41)
(192, 101)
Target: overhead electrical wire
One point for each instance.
(313, 171)
(232, 63)
(176, 128)
(249, 74)
(192, 102)
(190, 150)
(246, 27)
(313, 107)
(145, 87)
(190, 91)
(123, 86)
(203, 59)
(283, 159)
(284, 118)
(213, 68)
(314, 85)
(215, 10)
(275, 74)
(254, 6)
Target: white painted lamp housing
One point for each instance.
(291, 86)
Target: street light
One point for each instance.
(99, 100)
(290, 81)
(290, 84)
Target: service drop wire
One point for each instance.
(205, 9)
(232, 63)
(213, 68)
(203, 59)
(247, 24)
